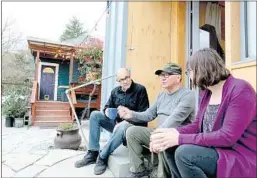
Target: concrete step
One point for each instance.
(118, 162)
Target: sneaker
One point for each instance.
(89, 158)
(143, 174)
(100, 166)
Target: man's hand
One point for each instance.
(163, 138)
(124, 113)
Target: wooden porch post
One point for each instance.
(71, 68)
(37, 66)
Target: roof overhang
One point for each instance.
(49, 47)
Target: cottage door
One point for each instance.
(47, 83)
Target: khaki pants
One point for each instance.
(137, 139)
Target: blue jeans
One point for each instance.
(188, 161)
(98, 120)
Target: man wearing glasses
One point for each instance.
(174, 107)
(129, 94)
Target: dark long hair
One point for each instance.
(214, 42)
(208, 68)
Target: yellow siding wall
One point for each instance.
(245, 70)
(157, 35)
(156, 32)
(149, 34)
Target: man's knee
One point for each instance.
(122, 127)
(96, 115)
(131, 132)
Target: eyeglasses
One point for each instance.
(124, 79)
(188, 71)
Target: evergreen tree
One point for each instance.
(73, 29)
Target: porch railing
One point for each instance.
(33, 99)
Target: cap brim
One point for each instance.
(158, 72)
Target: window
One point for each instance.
(248, 30)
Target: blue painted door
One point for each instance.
(47, 83)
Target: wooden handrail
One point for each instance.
(33, 99)
(34, 94)
(73, 97)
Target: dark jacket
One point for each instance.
(135, 98)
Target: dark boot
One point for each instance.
(100, 166)
(89, 158)
(142, 174)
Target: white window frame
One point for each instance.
(244, 42)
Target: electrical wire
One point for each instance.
(94, 27)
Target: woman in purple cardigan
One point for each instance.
(221, 142)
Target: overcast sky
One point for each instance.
(48, 19)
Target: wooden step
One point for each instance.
(51, 123)
(52, 106)
(52, 118)
(54, 103)
(46, 112)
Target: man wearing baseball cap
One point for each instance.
(174, 107)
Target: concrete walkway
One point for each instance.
(30, 152)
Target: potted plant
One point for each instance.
(8, 112)
(14, 107)
(67, 136)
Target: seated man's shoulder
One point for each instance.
(186, 93)
(115, 90)
(139, 86)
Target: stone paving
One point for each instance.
(30, 152)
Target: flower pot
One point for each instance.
(9, 121)
(18, 122)
(68, 139)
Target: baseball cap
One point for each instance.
(171, 68)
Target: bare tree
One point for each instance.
(10, 40)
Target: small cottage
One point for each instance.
(56, 71)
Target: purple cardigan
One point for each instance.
(234, 130)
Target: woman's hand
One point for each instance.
(163, 138)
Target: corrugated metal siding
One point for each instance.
(115, 46)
